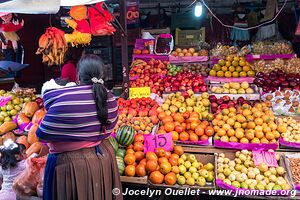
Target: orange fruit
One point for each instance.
(160, 152)
(239, 134)
(162, 115)
(244, 140)
(138, 146)
(179, 129)
(184, 136)
(258, 121)
(233, 139)
(194, 124)
(151, 156)
(140, 170)
(259, 134)
(175, 169)
(138, 138)
(130, 170)
(209, 131)
(178, 118)
(178, 150)
(162, 160)
(175, 135)
(169, 126)
(168, 154)
(167, 119)
(251, 125)
(156, 177)
(129, 159)
(221, 132)
(250, 134)
(143, 162)
(170, 178)
(130, 151)
(151, 165)
(193, 137)
(139, 155)
(224, 138)
(255, 141)
(264, 140)
(165, 167)
(173, 161)
(270, 136)
(230, 132)
(204, 138)
(199, 130)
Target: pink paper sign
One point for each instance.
(152, 142)
(4, 100)
(266, 157)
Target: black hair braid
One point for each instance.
(8, 156)
(91, 66)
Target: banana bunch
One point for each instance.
(52, 45)
(78, 38)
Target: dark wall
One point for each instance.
(36, 73)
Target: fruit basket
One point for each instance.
(262, 177)
(235, 90)
(185, 166)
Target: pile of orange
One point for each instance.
(135, 158)
(185, 127)
(162, 166)
(247, 125)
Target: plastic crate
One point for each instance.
(189, 37)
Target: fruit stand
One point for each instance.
(197, 119)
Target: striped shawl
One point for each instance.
(71, 115)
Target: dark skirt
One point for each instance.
(86, 174)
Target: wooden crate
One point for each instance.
(204, 159)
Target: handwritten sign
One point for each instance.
(4, 101)
(265, 157)
(139, 92)
(152, 142)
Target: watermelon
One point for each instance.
(114, 143)
(121, 152)
(125, 135)
(121, 165)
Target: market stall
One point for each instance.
(193, 117)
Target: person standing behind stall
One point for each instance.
(68, 70)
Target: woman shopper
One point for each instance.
(81, 164)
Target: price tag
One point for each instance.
(4, 100)
(152, 142)
(265, 157)
(139, 92)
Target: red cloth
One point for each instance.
(10, 27)
(83, 26)
(68, 71)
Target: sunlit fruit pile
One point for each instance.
(294, 164)
(13, 106)
(147, 73)
(241, 172)
(269, 48)
(193, 172)
(184, 81)
(247, 125)
(291, 133)
(233, 88)
(232, 67)
(217, 105)
(185, 127)
(187, 101)
(189, 52)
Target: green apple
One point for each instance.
(190, 181)
(187, 175)
(195, 175)
(192, 158)
(201, 181)
(192, 169)
(187, 164)
(181, 180)
(182, 169)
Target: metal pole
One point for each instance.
(124, 48)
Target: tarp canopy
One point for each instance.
(39, 6)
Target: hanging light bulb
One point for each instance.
(198, 9)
